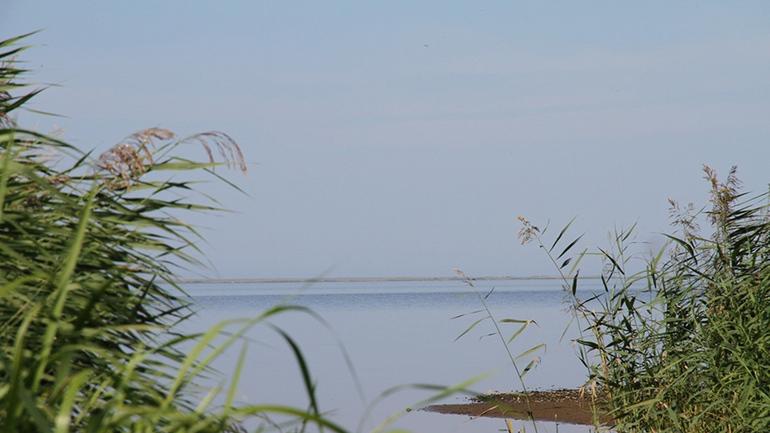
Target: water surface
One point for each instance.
(397, 333)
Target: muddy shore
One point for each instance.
(564, 406)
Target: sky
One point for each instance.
(404, 138)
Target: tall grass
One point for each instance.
(681, 345)
(88, 303)
(505, 339)
(89, 307)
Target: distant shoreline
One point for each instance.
(401, 279)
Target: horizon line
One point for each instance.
(404, 279)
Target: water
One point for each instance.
(395, 334)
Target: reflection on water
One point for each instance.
(395, 334)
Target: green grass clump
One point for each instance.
(88, 305)
(682, 345)
(89, 310)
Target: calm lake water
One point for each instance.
(395, 334)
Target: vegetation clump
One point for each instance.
(88, 307)
(681, 345)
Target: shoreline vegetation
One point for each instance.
(90, 304)
(90, 336)
(676, 339)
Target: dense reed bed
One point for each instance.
(88, 306)
(680, 345)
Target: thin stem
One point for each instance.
(525, 391)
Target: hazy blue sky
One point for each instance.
(404, 137)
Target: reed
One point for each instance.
(680, 345)
(505, 339)
(88, 304)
